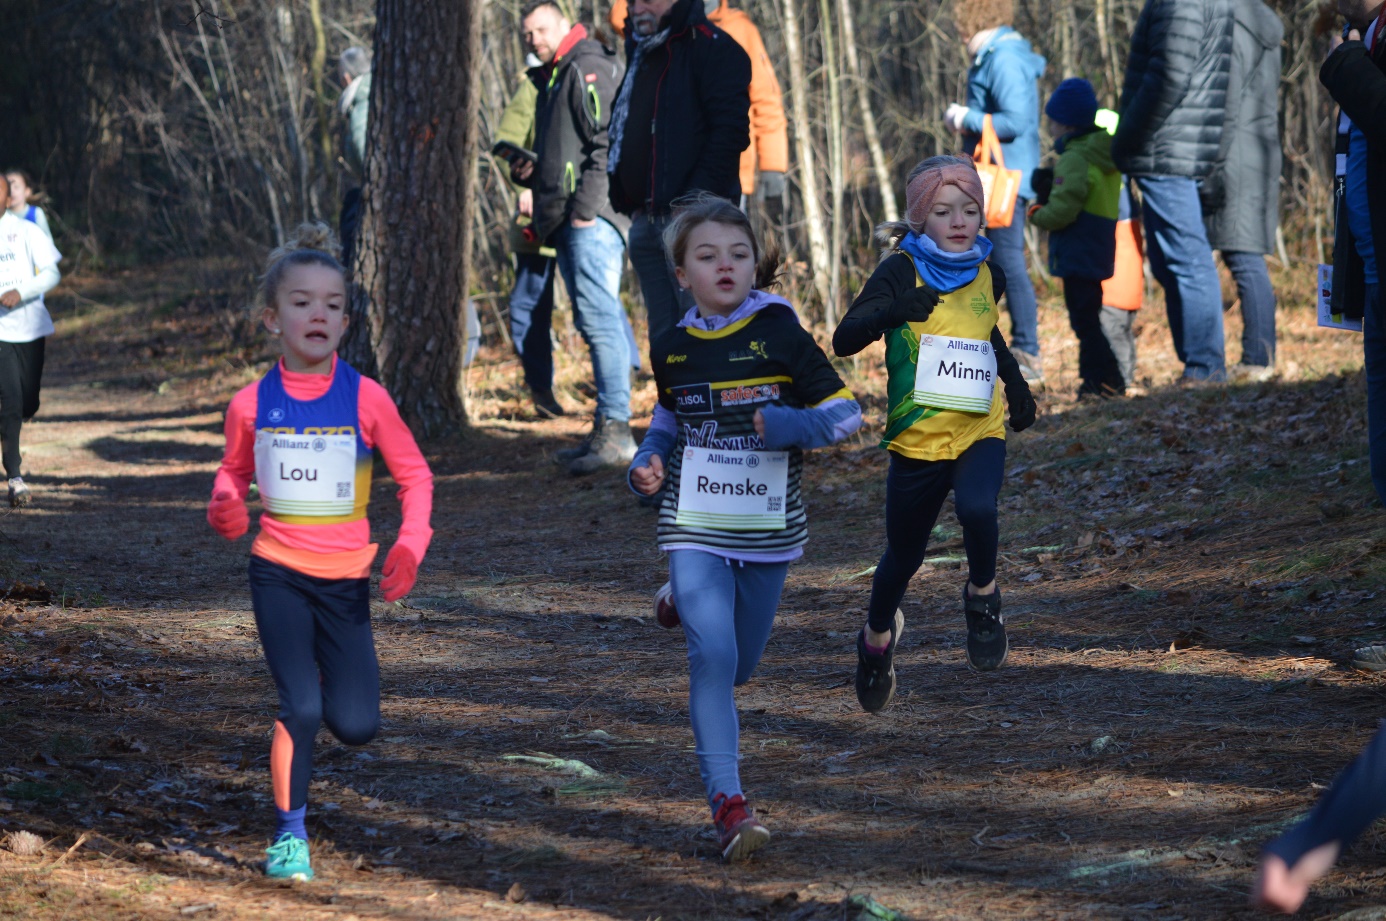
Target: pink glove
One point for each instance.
(401, 569)
(227, 514)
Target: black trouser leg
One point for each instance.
(1097, 364)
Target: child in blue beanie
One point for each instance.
(1079, 208)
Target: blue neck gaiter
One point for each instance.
(943, 271)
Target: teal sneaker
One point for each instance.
(288, 859)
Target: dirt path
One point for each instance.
(1184, 573)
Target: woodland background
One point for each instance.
(167, 128)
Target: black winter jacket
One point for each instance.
(1175, 90)
(1356, 80)
(697, 84)
(570, 122)
(1241, 196)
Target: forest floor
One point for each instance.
(1186, 575)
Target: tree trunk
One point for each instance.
(803, 144)
(415, 237)
(868, 114)
(836, 182)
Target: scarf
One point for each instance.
(943, 271)
(616, 131)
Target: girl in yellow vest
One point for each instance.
(933, 297)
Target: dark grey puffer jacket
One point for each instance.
(1241, 196)
(1175, 93)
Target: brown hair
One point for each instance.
(312, 243)
(692, 211)
(35, 196)
(973, 16)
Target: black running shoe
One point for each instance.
(986, 630)
(876, 673)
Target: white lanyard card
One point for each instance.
(733, 490)
(955, 373)
(311, 475)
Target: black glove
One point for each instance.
(1021, 403)
(914, 306)
(1042, 181)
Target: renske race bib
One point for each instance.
(306, 475)
(733, 490)
(955, 374)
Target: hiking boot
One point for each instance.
(666, 615)
(546, 405)
(1030, 367)
(611, 445)
(1250, 374)
(566, 456)
(876, 673)
(19, 493)
(288, 859)
(986, 630)
(737, 828)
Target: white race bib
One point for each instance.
(955, 373)
(306, 475)
(733, 490)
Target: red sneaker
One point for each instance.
(666, 615)
(737, 827)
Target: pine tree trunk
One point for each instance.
(416, 228)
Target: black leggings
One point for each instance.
(316, 634)
(21, 370)
(915, 491)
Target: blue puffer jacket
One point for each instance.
(1002, 83)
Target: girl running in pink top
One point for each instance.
(306, 432)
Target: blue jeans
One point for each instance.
(1374, 352)
(1182, 261)
(531, 318)
(727, 608)
(1008, 251)
(665, 301)
(591, 259)
(1258, 306)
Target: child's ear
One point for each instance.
(681, 277)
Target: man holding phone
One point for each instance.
(577, 79)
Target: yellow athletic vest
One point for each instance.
(925, 432)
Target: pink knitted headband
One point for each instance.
(923, 190)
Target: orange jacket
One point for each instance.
(769, 150)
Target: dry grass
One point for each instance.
(1185, 574)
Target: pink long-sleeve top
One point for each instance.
(343, 550)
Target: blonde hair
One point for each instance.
(973, 16)
(692, 211)
(312, 243)
(888, 234)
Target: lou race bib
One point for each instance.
(733, 490)
(310, 476)
(955, 374)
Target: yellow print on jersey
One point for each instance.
(311, 430)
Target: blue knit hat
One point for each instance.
(1074, 103)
